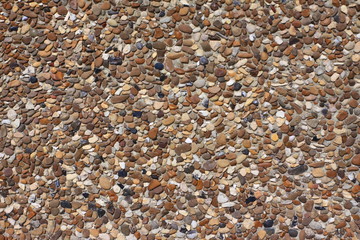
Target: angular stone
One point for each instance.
(298, 170)
(105, 183)
(318, 172)
(356, 160)
(185, 28)
(154, 184)
(209, 165)
(221, 139)
(153, 133)
(119, 99)
(182, 148)
(168, 120)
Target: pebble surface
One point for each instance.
(220, 119)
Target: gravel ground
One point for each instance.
(179, 119)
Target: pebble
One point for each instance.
(200, 83)
(33, 79)
(318, 172)
(105, 183)
(159, 66)
(268, 223)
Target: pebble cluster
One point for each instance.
(189, 119)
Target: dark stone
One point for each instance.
(33, 79)
(86, 195)
(161, 95)
(128, 192)
(293, 232)
(153, 176)
(92, 206)
(112, 12)
(163, 77)
(298, 170)
(149, 45)
(237, 86)
(246, 151)
(269, 231)
(101, 212)
(13, 29)
(122, 173)
(293, 40)
(159, 66)
(162, 14)
(66, 204)
(115, 60)
(250, 199)
(133, 130)
(268, 223)
(139, 45)
(189, 169)
(205, 103)
(315, 139)
(203, 60)
(137, 114)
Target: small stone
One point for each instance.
(221, 139)
(29, 14)
(293, 233)
(182, 148)
(112, 22)
(209, 165)
(66, 204)
(342, 115)
(237, 86)
(248, 223)
(203, 60)
(185, 28)
(318, 172)
(33, 79)
(8, 172)
(168, 120)
(356, 160)
(274, 137)
(199, 83)
(250, 28)
(106, 5)
(223, 163)
(268, 223)
(308, 206)
(125, 229)
(154, 184)
(153, 133)
(298, 170)
(159, 66)
(262, 234)
(159, 45)
(105, 183)
(222, 198)
(119, 99)
(11, 114)
(14, 83)
(62, 10)
(220, 72)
